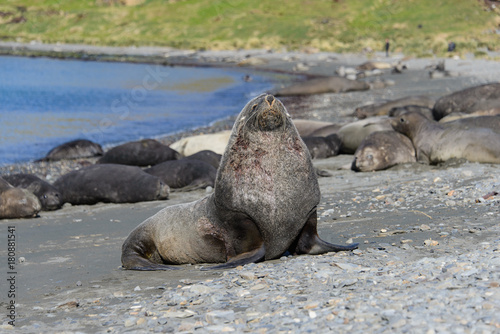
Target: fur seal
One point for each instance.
(146, 152)
(263, 205)
(214, 142)
(207, 156)
(434, 143)
(186, 173)
(49, 196)
(76, 149)
(323, 85)
(323, 147)
(383, 108)
(110, 183)
(468, 100)
(381, 150)
(17, 202)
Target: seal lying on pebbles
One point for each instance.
(383, 108)
(435, 143)
(76, 149)
(427, 112)
(110, 183)
(17, 202)
(49, 196)
(323, 147)
(489, 122)
(214, 142)
(189, 174)
(263, 205)
(381, 150)
(207, 156)
(307, 127)
(468, 100)
(146, 152)
(323, 85)
(352, 134)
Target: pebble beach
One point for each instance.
(428, 260)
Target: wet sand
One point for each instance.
(74, 253)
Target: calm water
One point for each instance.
(46, 102)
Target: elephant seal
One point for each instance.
(49, 196)
(110, 183)
(188, 174)
(214, 142)
(76, 149)
(381, 150)
(427, 112)
(352, 134)
(434, 143)
(323, 85)
(263, 205)
(17, 202)
(473, 99)
(146, 152)
(207, 156)
(323, 147)
(383, 108)
(307, 127)
(488, 122)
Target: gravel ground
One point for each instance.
(428, 261)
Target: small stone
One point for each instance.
(79, 283)
(424, 227)
(137, 288)
(21, 259)
(430, 242)
(223, 316)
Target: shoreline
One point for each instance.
(428, 258)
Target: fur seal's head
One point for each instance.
(263, 113)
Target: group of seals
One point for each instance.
(436, 143)
(49, 197)
(264, 202)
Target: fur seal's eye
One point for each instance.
(402, 120)
(44, 196)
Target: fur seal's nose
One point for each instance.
(270, 100)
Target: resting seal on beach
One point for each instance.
(263, 205)
(185, 174)
(146, 152)
(323, 147)
(323, 85)
(435, 143)
(110, 183)
(383, 108)
(484, 98)
(381, 150)
(207, 156)
(17, 202)
(76, 149)
(49, 196)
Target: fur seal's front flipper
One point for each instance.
(308, 241)
(242, 259)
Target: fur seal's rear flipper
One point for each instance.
(255, 255)
(134, 257)
(308, 241)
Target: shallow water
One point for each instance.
(46, 102)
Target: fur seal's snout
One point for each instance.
(270, 114)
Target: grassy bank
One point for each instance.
(420, 28)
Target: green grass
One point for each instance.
(338, 25)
